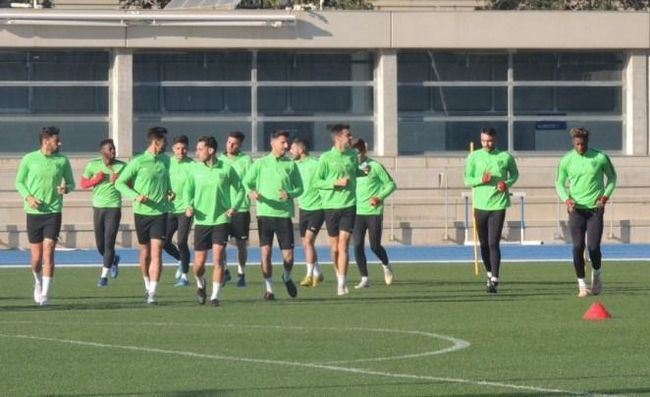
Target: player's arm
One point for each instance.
(122, 183)
(388, 185)
(250, 181)
(513, 171)
(188, 194)
(68, 184)
(321, 180)
(471, 179)
(560, 180)
(610, 173)
(296, 187)
(235, 182)
(88, 180)
(21, 180)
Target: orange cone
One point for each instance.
(597, 311)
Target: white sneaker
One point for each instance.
(43, 301)
(596, 284)
(151, 300)
(364, 283)
(583, 292)
(342, 290)
(388, 275)
(179, 272)
(37, 293)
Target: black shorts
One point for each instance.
(310, 220)
(205, 236)
(240, 225)
(281, 227)
(43, 226)
(149, 227)
(341, 219)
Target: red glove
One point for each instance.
(375, 201)
(96, 180)
(570, 204)
(602, 201)
(501, 186)
(486, 177)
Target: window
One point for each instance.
(444, 98)
(442, 95)
(68, 89)
(199, 93)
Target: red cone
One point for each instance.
(597, 311)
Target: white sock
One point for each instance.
(582, 283)
(147, 282)
(287, 275)
(46, 286)
(317, 271)
(216, 287)
(153, 286)
(494, 279)
(310, 269)
(341, 280)
(38, 278)
(268, 282)
(364, 279)
(489, 275)
(389, 267)
(240, 269)
(184, 276)
(105, 272)
(200, 282)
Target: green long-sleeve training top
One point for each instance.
(150, 177)
(502, 166)
(585, 177)
(40, 176)
(268, 176)
(377, 183)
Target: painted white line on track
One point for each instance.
(360, 371)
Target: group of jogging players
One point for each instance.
(343, 189)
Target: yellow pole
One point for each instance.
(474, 230)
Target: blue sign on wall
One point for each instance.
(550, 125)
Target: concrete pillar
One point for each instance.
(386, 103)
(121, 101)
(636, 101)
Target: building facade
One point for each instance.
(417, 86)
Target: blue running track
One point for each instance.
(397, 254)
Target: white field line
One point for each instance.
(304, 365)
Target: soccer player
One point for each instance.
(585, 169)
(490, 172)
(374, 184)
(241, 220)
(311, 215)
(100, 175)
(43, 177)
(336, 178)
(151, 192)
(208, 199)
(179, 170)
(274, 181)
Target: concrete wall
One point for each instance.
(361, 29)
(422, 211)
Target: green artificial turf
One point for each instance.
(528, 340)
